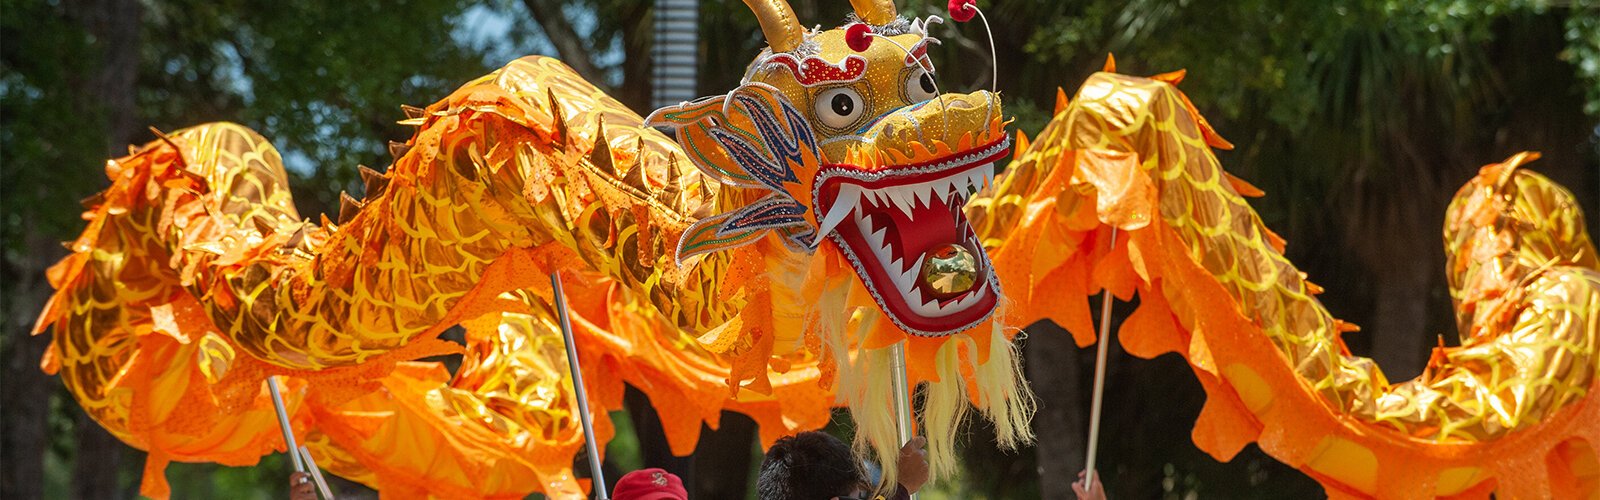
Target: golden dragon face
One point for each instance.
(847, 136)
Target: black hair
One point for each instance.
(808, 466)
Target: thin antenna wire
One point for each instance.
(994, 64)
(944, 109)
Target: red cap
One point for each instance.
(649, 484)
(962, 10)
(856, 37)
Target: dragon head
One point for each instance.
(845, 137)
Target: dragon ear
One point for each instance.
(751, 137)
(739, 227)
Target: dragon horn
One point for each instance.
(778, 23)
(875, 12)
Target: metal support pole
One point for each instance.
(283, 424)
(1099, 376)
(902, 392)
(595, 473)
(316, 474)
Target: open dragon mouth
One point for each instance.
(904, 232)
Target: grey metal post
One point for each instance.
(283, 423)
(598, 476)
(902, 394)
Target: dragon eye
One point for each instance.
(839, 107)
(920, 86)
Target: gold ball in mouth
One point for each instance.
(949, 270)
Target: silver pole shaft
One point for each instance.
(1099, 376)
(902, 392)
(595, 473)
(316, 474)
(283, 423)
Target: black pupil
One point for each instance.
(843, 105)
(927, 83)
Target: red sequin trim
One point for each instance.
(814, 70)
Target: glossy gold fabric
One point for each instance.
(879, 12)
(778, 23)
(195, 279)
(1512, 410)
(523, 172)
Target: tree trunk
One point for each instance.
(573, 49)
(722, 467)
(26, 389)
(109, 93)
(1054, 373)
(638, 26)
(1399, 329)
(653, 446)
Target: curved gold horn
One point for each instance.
(875, 12)
(778, 23)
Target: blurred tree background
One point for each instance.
(1358, 117)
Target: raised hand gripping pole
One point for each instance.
(596, 475)
(1099, 376)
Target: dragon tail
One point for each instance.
(1513, 409)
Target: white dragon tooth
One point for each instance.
(903, 200)
(921, 192)
(878, 248)
(959, 304)
(968, 299)
(988, 175)
(848, 200)
(907, 279)
(915, 297)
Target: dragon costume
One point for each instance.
(763, 258)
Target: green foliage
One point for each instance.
(1583, 50)
(322, 80)
(44, 158)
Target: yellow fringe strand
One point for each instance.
(945, 408)
(864, 386)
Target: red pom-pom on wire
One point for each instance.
(857, 37)
(962, 10)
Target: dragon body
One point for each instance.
(761, 251)
(1510, 410)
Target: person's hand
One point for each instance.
(913, 464)
(1096, 491)
(300, 487)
